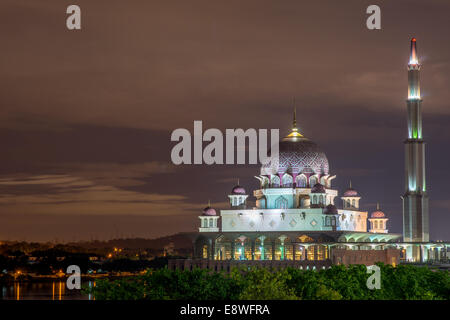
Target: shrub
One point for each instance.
(403, 282)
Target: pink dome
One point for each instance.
(377, 214)
(238, 190)
(350, 192)
(297, 156)
(208, 211)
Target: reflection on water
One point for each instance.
(48, 290)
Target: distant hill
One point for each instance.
(182, 240)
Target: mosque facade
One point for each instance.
(300, 217)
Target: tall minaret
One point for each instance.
(415, 200)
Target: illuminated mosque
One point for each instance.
(298, 215)
(300, 220)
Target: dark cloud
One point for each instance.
(86, 116)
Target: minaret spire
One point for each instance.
(415, 199)
(413, 56)
(413, 73)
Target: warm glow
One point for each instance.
(413, 57)
(295, 134)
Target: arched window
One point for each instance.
(287, 181)
(321, 199)
(301, 181)
(281, 203)
(353, 203)
(205, 223)
(211, 222)
(275, 181)
(312, 181)
(376, 224)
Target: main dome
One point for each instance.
(297, 155)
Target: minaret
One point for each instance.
(415, 200)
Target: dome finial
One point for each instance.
(238, 182)
(294, 124)
(378, 206)
(350, 183)
(209, 203)
(294, 134)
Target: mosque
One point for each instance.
(298, 215)
(301, 220)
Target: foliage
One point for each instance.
(404, 282)
(261, 284)
(164, 284)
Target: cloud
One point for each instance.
(118, 174)
(90, 198)
(78, 174)
(227, 180)
(93, 188)
(358, 172)
(62, 180)
(444, 204)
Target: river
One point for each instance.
(45, 290)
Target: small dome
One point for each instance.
(350, 192)
(208, 211)
(318, 188)
(238, 190)
(331, 209)
(378, 214)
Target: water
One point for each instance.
(45, 290)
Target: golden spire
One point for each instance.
(209, 203)
(294, 134)
(238, 181)
(378, 206)
(350, 184)
(294, 125)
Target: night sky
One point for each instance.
(86, 116)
